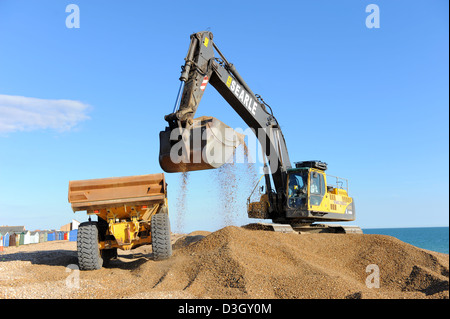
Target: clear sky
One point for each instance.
(89, 102)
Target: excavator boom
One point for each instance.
(203, 67)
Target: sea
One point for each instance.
(430, 238)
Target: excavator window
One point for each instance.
(317, 188)
(297, 190)
(315, 183)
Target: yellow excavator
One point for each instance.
(296, 197)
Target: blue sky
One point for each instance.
(372, 103)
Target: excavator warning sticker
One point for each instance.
(229, 81)
(206, 42)
(205, 81)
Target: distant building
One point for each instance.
(12, 229)
(66, 227)
(70, 226)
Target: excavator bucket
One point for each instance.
(206, 144)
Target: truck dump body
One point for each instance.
(99, 195)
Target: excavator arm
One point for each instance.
(203, 67)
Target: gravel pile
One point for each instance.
(234, 262)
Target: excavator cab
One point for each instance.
(311, 197)
(308, 197)
(306, 188)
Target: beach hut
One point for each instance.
(34, 237)
(31, 238)
(51, 236)
(73, 235)
(26, 237)
(21, 238)
(12, 239)
(13, 232)
(6, 240)
(42, 236)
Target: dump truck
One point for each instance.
(131, 211)
(296, 197)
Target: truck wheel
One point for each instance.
(162, 248)
(89, 257)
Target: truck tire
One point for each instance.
(161, 245)
(107, 255)
(89, 257)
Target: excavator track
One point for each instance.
(306, 228)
